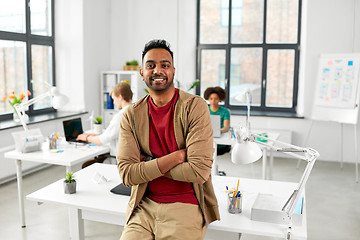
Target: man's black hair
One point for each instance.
(157, 43)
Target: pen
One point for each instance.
(54, 138)
(52, 142)
(237, 188)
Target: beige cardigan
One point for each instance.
(193, 131)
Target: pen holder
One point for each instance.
(52, 143)
(234, 204)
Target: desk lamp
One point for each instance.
(30, 140)
(59, 100)
(247, 150)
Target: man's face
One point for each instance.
(158, 70)
(117, 100)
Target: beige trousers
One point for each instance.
(169, 221)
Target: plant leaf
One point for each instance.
(194, 84)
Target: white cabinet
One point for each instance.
(109, 79)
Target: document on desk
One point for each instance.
(267, 208)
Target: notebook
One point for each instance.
(121, 189)
(72, 128)
(216, 125)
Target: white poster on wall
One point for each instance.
(337, 83)
(337, 88)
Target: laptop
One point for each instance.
(73, 128)
(216, 125)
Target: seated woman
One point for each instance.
(215, 95)
(122, 96)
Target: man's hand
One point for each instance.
(82, 137)
(167, 162)
(85, 137)
(142, 157)
(180, 155)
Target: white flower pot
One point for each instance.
(17, 119)
(98, 128)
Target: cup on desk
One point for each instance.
(234, 203)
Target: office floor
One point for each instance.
(333, 204)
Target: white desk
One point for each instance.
(95, 202)
(71, 156)
(226, 140)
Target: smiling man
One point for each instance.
(165, 154)
(158, 72)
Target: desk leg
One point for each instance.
(215, 169)
(76, 226)
(356, 155)
(271, 163)
(20, 192)
(264, 163)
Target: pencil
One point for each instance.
(54, 139)
(237, 188)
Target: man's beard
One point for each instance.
(150, 83)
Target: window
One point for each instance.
(250, 44)
(26, 52)
(236, 13)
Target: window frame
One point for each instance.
(29, 40)
(266, 110)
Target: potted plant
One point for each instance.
(98, 125)
(14, 99)
(131, 66)
(189, 86)
(69, 183)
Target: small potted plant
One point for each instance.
(98, 125)
(131, 66)
(69, 183)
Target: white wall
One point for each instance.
(144, 20)
(134, 23)
(82, 50)
(96, 47)
(69, 54)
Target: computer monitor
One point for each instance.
(216, 125)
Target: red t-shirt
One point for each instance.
(162, 142)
